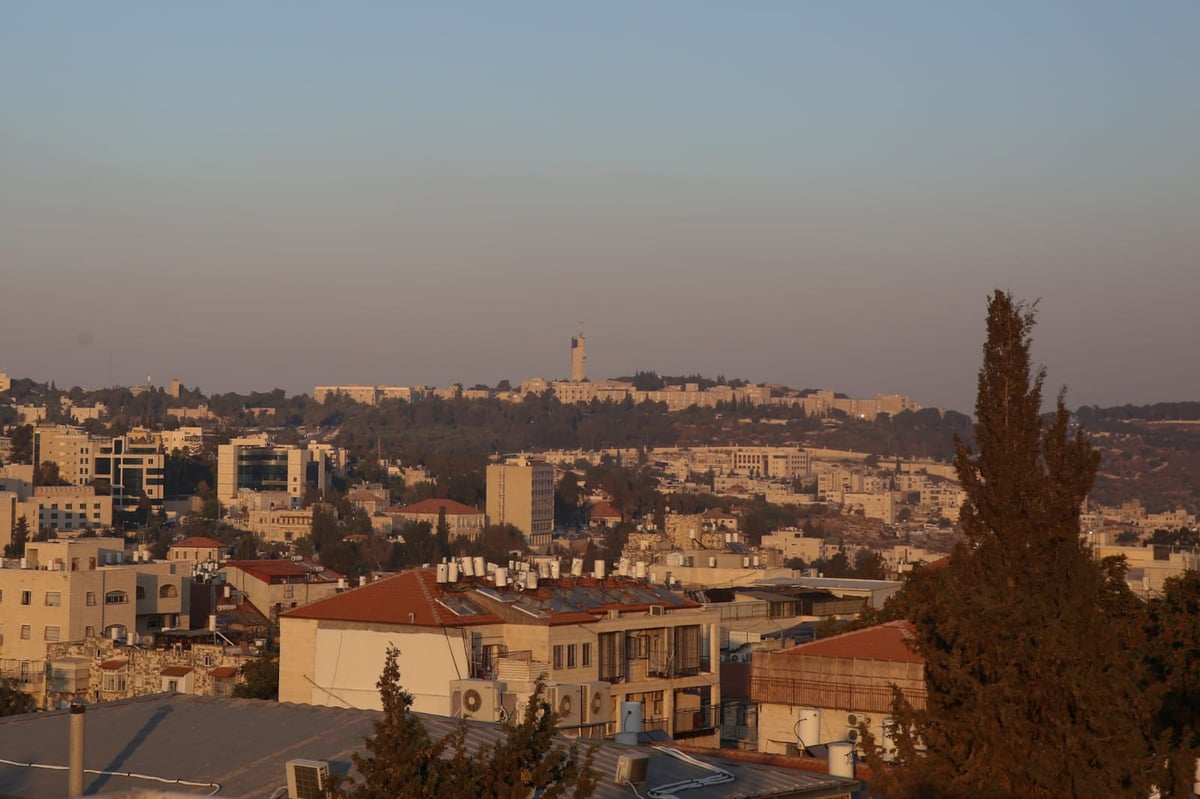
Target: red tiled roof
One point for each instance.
(889, 641)
(197, 542)
(406, 598)
(716, 513)
(114, 664)
(432, 507)
(223, 672)
(605, 510)
(266, 569)
(176, 671)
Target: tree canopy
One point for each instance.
(403, 760)
(1029, 643)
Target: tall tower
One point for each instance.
(578, 359)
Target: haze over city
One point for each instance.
(820, 195)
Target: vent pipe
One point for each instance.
(75, 768)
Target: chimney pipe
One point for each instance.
(75, 769)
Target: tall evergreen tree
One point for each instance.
(1030, 668)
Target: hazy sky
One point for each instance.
(249, 195)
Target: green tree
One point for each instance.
(20, 537)
(1173, 660)
(405, 761)
(260, 678)
(14, 701)
(1031, 678)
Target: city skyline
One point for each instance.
(818, 196)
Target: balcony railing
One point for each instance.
(697, 722)
(844, 695)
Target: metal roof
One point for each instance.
(241, 746)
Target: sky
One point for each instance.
(254, 195)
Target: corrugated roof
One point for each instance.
(889, 641)
(268, 734)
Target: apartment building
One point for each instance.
(98, 669)
(70, 590)
(255, 463)
(599, 640)
(820, 692)
(134, 467)
(275, 586)
(131, 465)
(520, 492)
(69, 448)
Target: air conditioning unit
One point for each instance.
(852, 722)
(307, 779)
(657, 610)
(632, 769)
(597, 702)
(567, 701)
(475, 699)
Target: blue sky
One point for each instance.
(246, 196)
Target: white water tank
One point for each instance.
(841, 759)
(443, 573)
(452, 571)
(531, 580)
(555, 570)
(501, 576)
(212, 622)
(468, 567)
(480, 566)
(576, 567)
(599, 570)
(640, 570)
(630, 723)
(808, 728)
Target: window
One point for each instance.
(91, 598)
(289, 590)
(687, 650)
(168, 592)
(612, 665)
(89, 631)
(51, 634)
(141, 592)
(587, 655)
(25, 631)
(113, 681)
(53, 599)
(26, 597)
(116, 598)
(558, 656)
(571, 662)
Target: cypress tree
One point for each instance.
(1030, 668)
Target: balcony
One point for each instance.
(697, 722)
